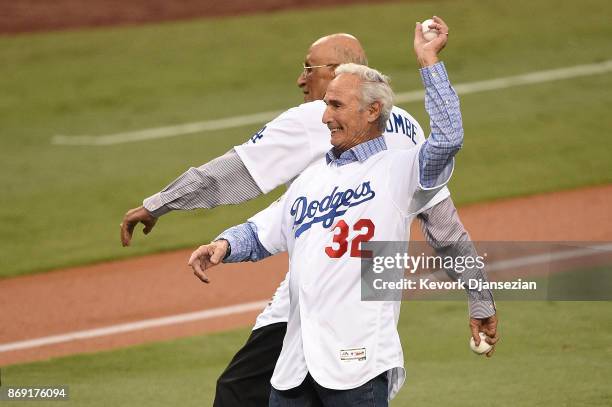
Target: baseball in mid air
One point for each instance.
(429, 33)
(484, 347)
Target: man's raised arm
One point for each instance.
(442, 105)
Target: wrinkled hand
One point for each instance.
(427, 51)
(207, 256)
(131, 219)
(489, 327)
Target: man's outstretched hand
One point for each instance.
(131, 219)
(489, 327)
(427, 51)
(207, 256)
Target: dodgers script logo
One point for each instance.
(329, 208)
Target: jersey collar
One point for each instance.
(360, 152)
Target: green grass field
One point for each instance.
(61, 205)
(551, 354)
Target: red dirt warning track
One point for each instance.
(24, 16)
(107, 294)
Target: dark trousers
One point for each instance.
(310, 394)
(246, 380)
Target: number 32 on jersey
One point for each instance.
(340, 244)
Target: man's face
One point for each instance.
(313, 82)
(348, 122)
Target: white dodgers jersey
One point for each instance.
(321, 221)
(297, 139)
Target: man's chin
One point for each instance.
(334, 140)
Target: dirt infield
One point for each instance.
(40, 15)
(161, 285)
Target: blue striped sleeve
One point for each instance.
(442, 105)
(244, 243)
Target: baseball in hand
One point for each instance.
(484, 347)
(429, 33)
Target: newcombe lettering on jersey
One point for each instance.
(401, 124)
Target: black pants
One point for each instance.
(246, 380)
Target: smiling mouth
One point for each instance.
(334, 129)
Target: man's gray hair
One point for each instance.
(374, 88)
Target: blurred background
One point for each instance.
(93, 106)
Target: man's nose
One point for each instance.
(301, 80)
(326, 116)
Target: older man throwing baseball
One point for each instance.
(339, 350)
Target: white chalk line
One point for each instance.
(405, 97)
(259, 305)
(167, 131)
(135, 326)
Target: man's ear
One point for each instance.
(374, 111)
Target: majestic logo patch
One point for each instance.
(326, 210)
(353, 354)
